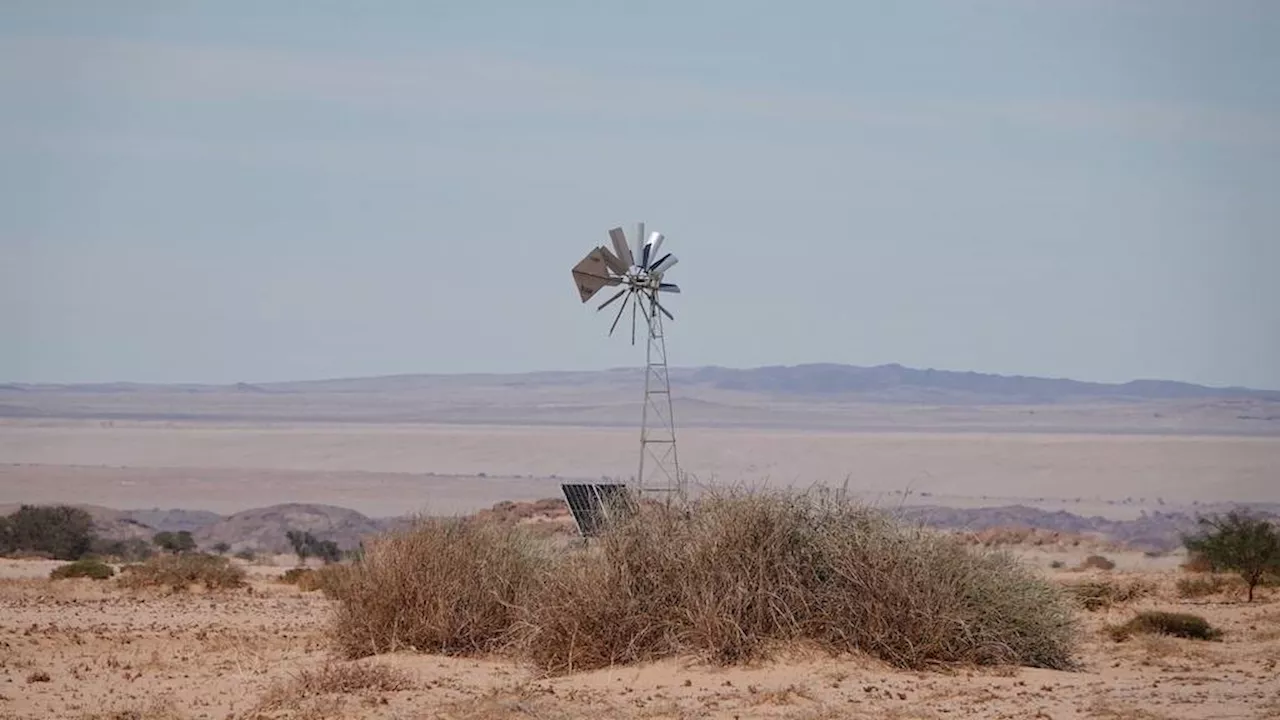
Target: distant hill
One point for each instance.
(264, 528)
(886, 380)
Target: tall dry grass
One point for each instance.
(449, 586)
(728, 579)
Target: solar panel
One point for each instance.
(594, 504)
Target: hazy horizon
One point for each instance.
(636, 368)
(231, 192)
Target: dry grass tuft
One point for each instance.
(180, 572)
(1102, 594)
(1156, 622)
(1198, 586)
(446, 585)
(159, 709)
(332, 679)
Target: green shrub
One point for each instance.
(1156, 622)
(84, 568)
(61, 531)
(180, 572)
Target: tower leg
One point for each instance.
(659, 462)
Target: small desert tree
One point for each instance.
(1250, 546)
(221, 548)
(62, 531)
(179, 542)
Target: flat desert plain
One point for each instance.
(393, 469)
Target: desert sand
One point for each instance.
(108, 653)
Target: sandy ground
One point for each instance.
(391, 469)
(110, 654)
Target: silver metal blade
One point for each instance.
(613, 261)
(669, 288)
(639, 240)
(610, 301)
(618, 317)
(620, 246)
(667, 262)
(655, 244)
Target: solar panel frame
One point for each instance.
(593, 505)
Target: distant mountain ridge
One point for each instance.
(829, 379)
(881, 382)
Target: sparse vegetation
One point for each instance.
(1157, 622)
(1247, 545)
(84, 568)
(1198, 586)
(221, 548)
(1103, 594)
(333, 679)
(728, 580)
(246, 555)
(60, 531)
(180, 572)
(1097, 562)
(127, 550)
(306, 545)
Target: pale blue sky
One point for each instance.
(224, 191)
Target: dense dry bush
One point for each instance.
(1097, 562)
(727, 580)
(445, 585)
(1156, 622)
(1106, 593)
(737, 574)
(180, 572)
(87, 568)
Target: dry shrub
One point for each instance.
(1197, 563)
(1102, 594)
(1157, 622)
(445, 585)
(737, 574)
(85, 568)
(1097, 562)
(333, 679)
(180, 572)
(1199, 586)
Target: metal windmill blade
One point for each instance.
(636, 265)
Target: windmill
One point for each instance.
(637, 268)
